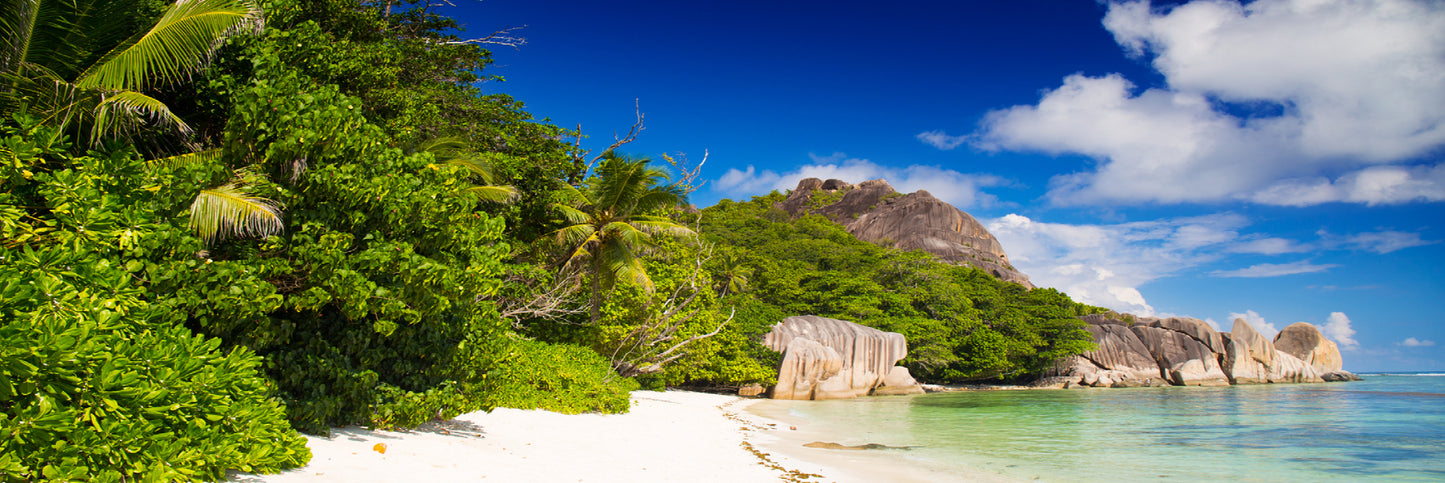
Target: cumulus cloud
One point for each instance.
(1281, 102)
(942, 140)
(963, 190)
(1337, 328)
(1105, 264)
(1413, 342)
(1257, 321)
(1265, 270)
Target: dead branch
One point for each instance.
(637, 127)
(689, 179)
(553, 303)
(505, 37)
(648, 347)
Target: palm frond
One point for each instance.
(17, 28)
(626, 235)
(660, 225)
(624, 265)
(227, 211)
(495, 194)
(124, 111)
(209, 156)
(572, 214)
(181, 41)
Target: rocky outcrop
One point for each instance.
(1304, 340)
(874, 212)
(1137, 351)
(898, 382)
(833, 359)
(1120, 360)
(1183, 359)
(1255, 359)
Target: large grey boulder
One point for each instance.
(864, 357)
(1253, 359)
(1194, 328)
(1304, 341)
(1119, 360)
(806, 364)
(1185, 360)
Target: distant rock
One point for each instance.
(1194, 328)
(1181, 351)
(875, 212)
(833, 359)
(1184, 359)
(1304, 340)
(1253, 359)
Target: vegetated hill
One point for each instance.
(961, 323)
(875, 212)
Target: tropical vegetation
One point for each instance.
(224, 221)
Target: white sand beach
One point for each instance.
(667, 436)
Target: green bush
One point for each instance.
(556, 377)
(94, 385)
(89, 396)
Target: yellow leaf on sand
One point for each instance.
(379, 448)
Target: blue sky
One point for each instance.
(1279, 161)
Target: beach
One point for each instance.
(667, 436)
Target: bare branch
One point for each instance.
(651, 345)
(505, 37)
(689, 175)
(554, 303)
(637, 127)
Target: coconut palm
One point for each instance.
(75, 64)
(731, 276)
(611, 222)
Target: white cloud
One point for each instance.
(1264, 270)
(1105, 264)
(1381, 242)
(1413, 342)
(1344, 95)
(1257, 321)
(963, 190)
(1337, 327)
(1269, 246)
(942, 140)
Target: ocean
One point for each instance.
(1385, 428)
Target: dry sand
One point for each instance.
(667, 436)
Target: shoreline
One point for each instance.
(667, 436)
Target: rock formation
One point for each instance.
(1182, 359)
(1304, 340)
(1142, 351)
(834, 359)
(874, 212)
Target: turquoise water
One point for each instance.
(1385, 428)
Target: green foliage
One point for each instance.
(556, 377)
(93, 383)
(961, 323)
(614, 219)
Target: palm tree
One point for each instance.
(732, 274)
(611, 221)
(70, 63)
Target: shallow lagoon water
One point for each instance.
(1385, 428)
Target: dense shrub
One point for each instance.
(93, 384)
(556, 377)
